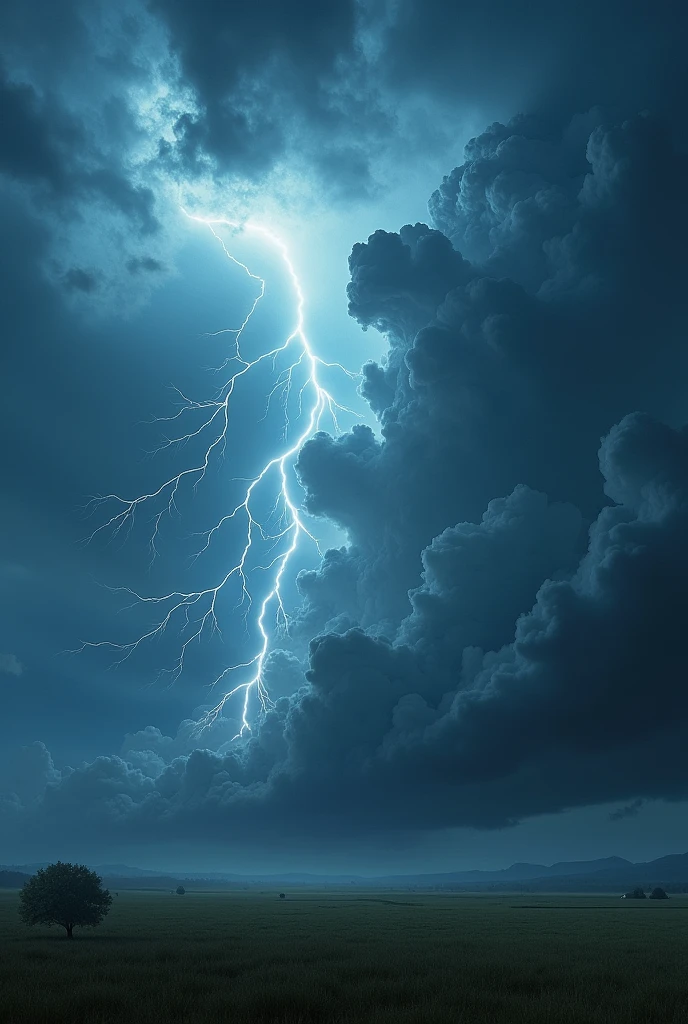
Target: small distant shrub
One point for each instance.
(635, 894)
(282, 896)
(180, 890)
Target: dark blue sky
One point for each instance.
(487, 662)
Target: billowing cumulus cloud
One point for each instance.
(114, 114)
(584, 704)
(492, 380)
(501, 634)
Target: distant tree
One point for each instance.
(282, 896)
(66, 894)
(180, 890)
(658, 894)
(635, 894)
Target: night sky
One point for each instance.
(485, 206)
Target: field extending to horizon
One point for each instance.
(383, 958)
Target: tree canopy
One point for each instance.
(70, 895)
(658, 894)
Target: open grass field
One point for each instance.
(352, 957)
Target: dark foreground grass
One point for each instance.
(354, 957)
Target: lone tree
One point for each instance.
(658, 894)
(636, 894)
(64, 894)
(180, 890)
(282, 896)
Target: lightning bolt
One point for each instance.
(284, 527)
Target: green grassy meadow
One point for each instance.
(387, 958)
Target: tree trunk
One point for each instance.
(69, 928)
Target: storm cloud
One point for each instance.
(501, 634)
(585, 704)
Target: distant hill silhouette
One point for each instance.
(602, 875)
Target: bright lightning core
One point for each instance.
(195, 613)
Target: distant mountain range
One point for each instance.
(608, 873)
(565, 876)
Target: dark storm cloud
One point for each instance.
(487, 375)
(28, 771)
(474, 658)
(329, 91)
(231, 89)
(511, 680)
(337, 84)
(585, 705)
(145, 265)
(551, 58)
(262, 72)
(34, 137)
(71, 146)
(331, 88)
(43, 146)
(628, 811)
(108, 111)
(80, 280)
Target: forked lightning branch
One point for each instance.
(195, 613)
